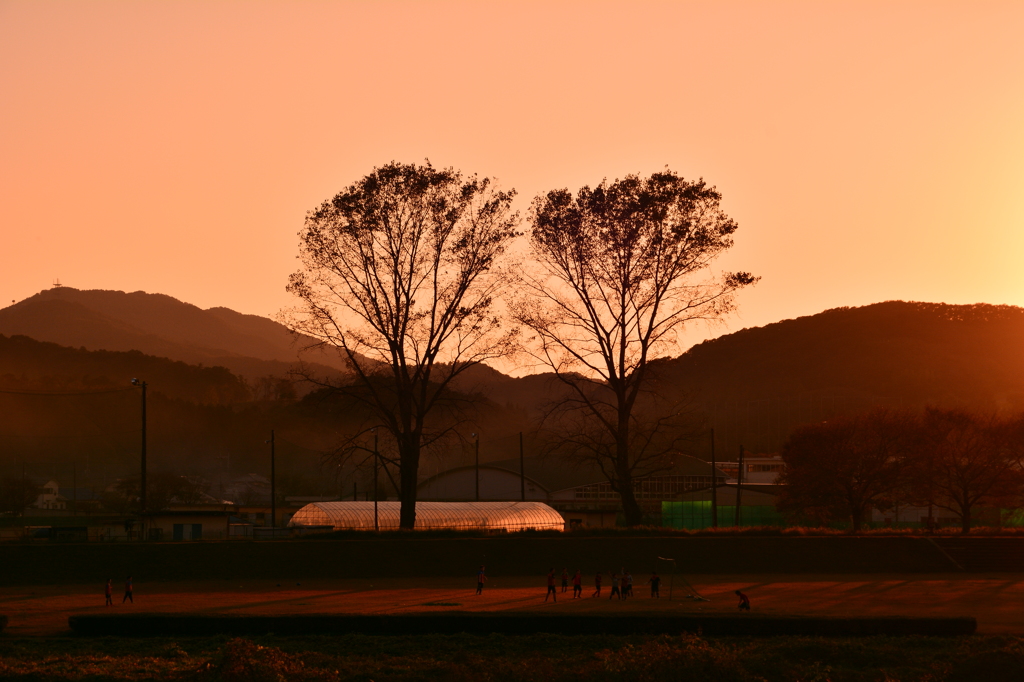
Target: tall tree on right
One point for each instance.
(967, 461)
(621, 268)
(845, 467)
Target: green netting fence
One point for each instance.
(696, 514)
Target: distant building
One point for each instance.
(757, 469)
(579, 492)
(50, 498)
(190, 522)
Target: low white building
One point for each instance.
(50, 498)
(757, 469)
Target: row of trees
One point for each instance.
(411, 273)
(946, 459)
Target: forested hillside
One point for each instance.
(159, 325)
(757, 384)
(753, 386)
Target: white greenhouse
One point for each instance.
(500, 516)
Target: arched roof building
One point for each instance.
(580, 492)
(502, 516)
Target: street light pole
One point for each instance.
(739, 487)
(142, 481)
(376, 518)
(477, 439)
(273, 486)
(714, 484)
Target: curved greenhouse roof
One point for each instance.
(507, 516)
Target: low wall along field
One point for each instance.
(504, 555)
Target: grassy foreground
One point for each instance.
(498, 657)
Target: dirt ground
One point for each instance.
(995, 600)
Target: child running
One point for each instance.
(551, 587)
(128, 591)
(577, 585)
(109, 592)
(623, 587)
(615, 587)
(597, 585)
(565, 580)
(480, 580)
(744, 601)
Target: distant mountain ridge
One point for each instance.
(162, 326)
(753, 386)
(757, 384)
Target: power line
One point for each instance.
(60, 393)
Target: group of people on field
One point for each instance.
(128, 595)
(621, 584)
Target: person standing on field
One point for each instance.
(551, 587)
(480, 580)
(128, 591)
(623, 587)
(565, 580)
(655, 582)
(109, 592)
(577, 585)
(615, 587)
(597, 585)
(629, 584)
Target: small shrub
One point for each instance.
(243, 661)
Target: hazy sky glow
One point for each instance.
(869, 151)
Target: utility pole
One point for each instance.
(476, 437)
(376, 519)
(714, 484)
(739, 487)
(142, 481)
(273, 484)
(522, 470)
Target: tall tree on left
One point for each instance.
(400, 273)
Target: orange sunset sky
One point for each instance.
(868, 150)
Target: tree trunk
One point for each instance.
(630, 507)
(409, 469)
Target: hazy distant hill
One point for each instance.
(755, 385)
(30, 365)
(159, 325)
(62, 408)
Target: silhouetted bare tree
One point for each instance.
(965, 461)
(617, 278)
(844, 467)
(17, 494)
(399, 272)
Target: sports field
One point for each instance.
(995, 600)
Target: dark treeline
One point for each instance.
(953, 460)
